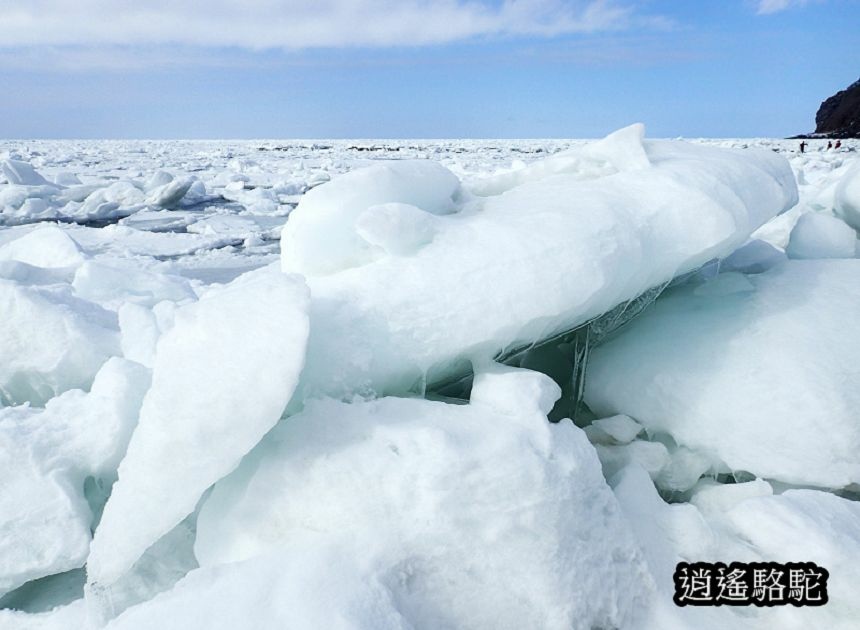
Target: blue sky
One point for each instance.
(420, 68)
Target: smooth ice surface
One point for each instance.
(46, 456)
(555, 249)
(765, 362)
(217, 388)
(437, 502)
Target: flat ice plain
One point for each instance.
(309, 384)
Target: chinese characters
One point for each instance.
(754, 583)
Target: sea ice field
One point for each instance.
(424, 384)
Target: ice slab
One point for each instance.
(22, 173)
(756, 378)
(169, 194)
(511, 269)
(47, 455)
(820, 235)
(846, 197)
(112, 285)
(620, 428)
(47, 247)
(217, 388)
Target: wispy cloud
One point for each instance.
(297, 24)
(768, 7)
(115, 58)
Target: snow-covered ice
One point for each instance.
(745, 522)
(437, 502)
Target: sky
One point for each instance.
(420, 68)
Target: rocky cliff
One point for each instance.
(839, 115)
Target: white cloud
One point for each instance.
(258, 24)
(767, 7)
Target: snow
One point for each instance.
(746, 523)
(209, 397)
(309, 588)
(725, 371)
(436, 502)
(71, 616)
(816, 526)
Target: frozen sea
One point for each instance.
(230, 221)
(425, 384)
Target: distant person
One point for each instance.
(803, 146)
(838, 144)
(829, 145)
